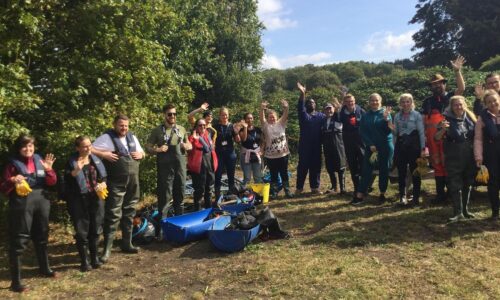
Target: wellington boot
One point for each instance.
(108, 245)
(43, 261)
(288, 192)
(84, 258)
(127, 245)
(457, 218)
(94, 258)
(15, 274)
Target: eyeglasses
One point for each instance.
(171, 114)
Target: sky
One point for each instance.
(319, 32)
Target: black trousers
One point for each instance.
(278, 166)
(28, 219)
(406, 157)
(87, 215)
(354, 153)
(203, 184)
(491, 153)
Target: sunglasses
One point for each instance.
(171, 114)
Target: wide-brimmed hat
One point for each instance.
(437, 78)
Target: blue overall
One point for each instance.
(309, 146)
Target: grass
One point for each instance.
(337, 251)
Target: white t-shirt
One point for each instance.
(104, 143)
(276, 143)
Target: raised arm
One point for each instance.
(301, 106)
(284, 116)
(192, 115)
(457, 67)
(262, 113)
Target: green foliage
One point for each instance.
(491, 65)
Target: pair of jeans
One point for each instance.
(227, 162)
(250, 168)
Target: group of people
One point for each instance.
(344, 134)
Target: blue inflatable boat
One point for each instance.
(230, 240)
(194, 226)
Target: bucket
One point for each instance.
(262, 189)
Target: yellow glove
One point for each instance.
(102, 191)
(483, 175)
(374, 158)
(23, 189)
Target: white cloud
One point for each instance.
(271, 61)
(381, 43)
(273, 15)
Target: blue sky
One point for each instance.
(321, 31)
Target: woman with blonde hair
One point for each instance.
(410, 144)
(487, 146)
(457, 130)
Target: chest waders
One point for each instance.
(431, 123)
(123, 186)
(491, 157)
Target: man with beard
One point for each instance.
(121, 152)
(169, 142)
(432, 111)
(310, 122)
(491, 82)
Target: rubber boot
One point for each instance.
(342, 181)
(94, 258)
(416, 192)
(15, 274)
(440, 190)
(456, 196)
(465, 202)
(108, 245)
(84, 258)
(43, 261)
(126, 245)
(288, 192)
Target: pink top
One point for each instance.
(478, 137)
(6, 185)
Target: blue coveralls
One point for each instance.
(309, 146)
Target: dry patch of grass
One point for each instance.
(337, 251)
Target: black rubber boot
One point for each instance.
(440, 190)
(456, 196)
(84, 258)
(94, 258)
(43, 261)
(126, 245)
(15, 274)
(342, 181)
(108, 245)
(288, 193)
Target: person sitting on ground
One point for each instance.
(377, 136)
(457, 131)
(487, 146)
(409, 132)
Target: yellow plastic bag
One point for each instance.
(23, 189)
(102, 191)
(262, 189)
(483, 175)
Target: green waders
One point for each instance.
(123, 186)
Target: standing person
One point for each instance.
(432, 110)
(28, 212)
(84, 175)
(487, 146)
(250, 159)
(310, 122)
(350, 115)
(333, 148)
(457, 131)
(169, 142)
(227, 134)
(207, 116)
(121, 153)
(276, 150)
(202, 163)
(377, 136)
(410, 145)
(492, 82)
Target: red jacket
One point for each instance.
(195, 155)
